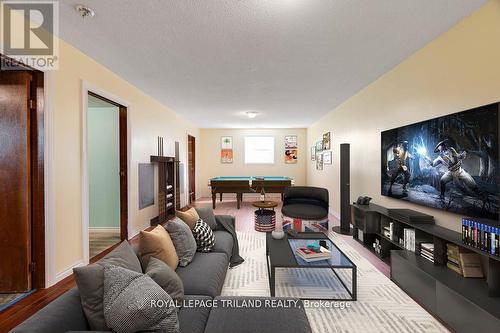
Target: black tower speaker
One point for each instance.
(345, 193)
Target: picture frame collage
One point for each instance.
(321, 152)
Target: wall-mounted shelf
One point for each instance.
(168, 188)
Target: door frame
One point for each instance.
(88, 88)
(189, 169)
(40, 124)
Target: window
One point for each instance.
(259, 150)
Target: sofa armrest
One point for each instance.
(231, 219)
(63, 314)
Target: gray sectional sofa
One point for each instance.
(203, 279)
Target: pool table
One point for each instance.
(240, 185)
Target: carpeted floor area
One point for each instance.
(381, 307)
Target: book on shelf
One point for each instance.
(427, 246)
(428, 258)
(470, 264)
(482, 236)
(311, 256)
(454, 260)
(427, 251)
(454, 267)
(409, 239)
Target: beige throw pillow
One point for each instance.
(190, 217)
(157, 243)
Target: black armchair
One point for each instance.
(305, 202)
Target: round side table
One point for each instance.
(265, 216)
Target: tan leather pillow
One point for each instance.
(157, 243)
(190, 217)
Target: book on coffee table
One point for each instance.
(310, 255)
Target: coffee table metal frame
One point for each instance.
(287, 259)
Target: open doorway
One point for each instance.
(192, 168)
(107, 173)
(22, 218)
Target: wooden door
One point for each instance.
(192, 168)
(15, 181)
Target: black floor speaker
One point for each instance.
(345, 193)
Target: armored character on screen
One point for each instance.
(452, 160)
(397, 166)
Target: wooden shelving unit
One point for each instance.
(168, 188)
(465, 304)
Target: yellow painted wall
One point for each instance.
(457, 71)
(210, 165)
(147, 120)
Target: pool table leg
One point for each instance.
(239, 197)
(214, 197)
(282, 193)
(220, 197)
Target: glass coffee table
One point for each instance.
(280, 253)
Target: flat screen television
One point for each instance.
(449, 163)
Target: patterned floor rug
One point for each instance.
(381, 306)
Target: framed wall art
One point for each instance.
(327, 142)
(327, 157)
(291, 142)
(291, 156)
(226, 152)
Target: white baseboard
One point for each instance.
(135, 232)
(68, 271)
(105, 229)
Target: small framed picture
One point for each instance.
(327, 157)
(327, 141)
(291, 142)
(291, 156)
(226, 142)
(319, 146)
(319, 161)
(313, 153)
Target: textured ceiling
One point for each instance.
(291, 61)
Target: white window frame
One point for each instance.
(260, 136)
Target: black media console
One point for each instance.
(465, 304)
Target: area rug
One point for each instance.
(381, 306)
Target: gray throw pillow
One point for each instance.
(166, 278)
(133, 302)
(182, 237)
(90, 282)
(207, 215)
(204, 236)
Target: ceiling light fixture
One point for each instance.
(85, 11)
(251, 114)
